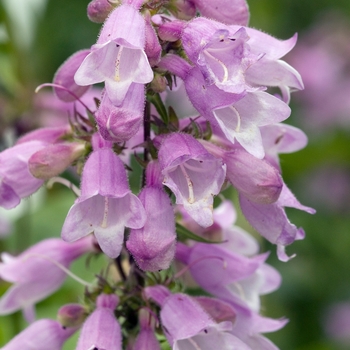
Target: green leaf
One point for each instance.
(184, 233)
(158, 103)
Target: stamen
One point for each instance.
(105, 213)
(64, 182)
(117, 64)
(60, 266)
(225, 78)
(238, 127)
(195, 345)
(191, 198)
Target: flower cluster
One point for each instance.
(187, 83)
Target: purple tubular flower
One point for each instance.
(238, 116)
(40, 335)
(101, 330)
(16, 181)
(34, 272)
(193, 174)
(223, 56)
(48, 135)
(271, 221)
(153, 246)
(187, 325)
(213, 266)
(118, 57)
(106, 204)
(65, 77)
(270, 70)
(120, 123)
(225, 11)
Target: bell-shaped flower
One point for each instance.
(47, 134)
(101, 329)
(106, 204)
(153, 246)
(16, 181)
(253, 177)
(225, 11)
(118, 57)
(37, 272)
(271, 221)
(193, 175)
(270, 70)
(40, 335)
(121, 123)
(213, 266)
(238, 116)
(222, 56)
(187, 325)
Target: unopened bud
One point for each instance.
(159, 83)
(71, 315)
(152, 47)
(98, 10)
(170, 31)
(54, 159)
(182, 9)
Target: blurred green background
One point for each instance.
(319, 277)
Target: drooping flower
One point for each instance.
(35, 273)
(106, 204)
(101, 330)
(153, 246)
(16, 181)
(193, 174)
(118, 57)
(40, 335)
(186, 324)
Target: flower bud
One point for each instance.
(152, 46)
(182, 9)
(159, 83)
(54, 159)
(170, 31)
(98, 10)
(71, 315)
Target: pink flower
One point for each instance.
(35, 274)
(118, 57)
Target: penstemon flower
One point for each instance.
(185, 82)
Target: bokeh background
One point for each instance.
(36, 36)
